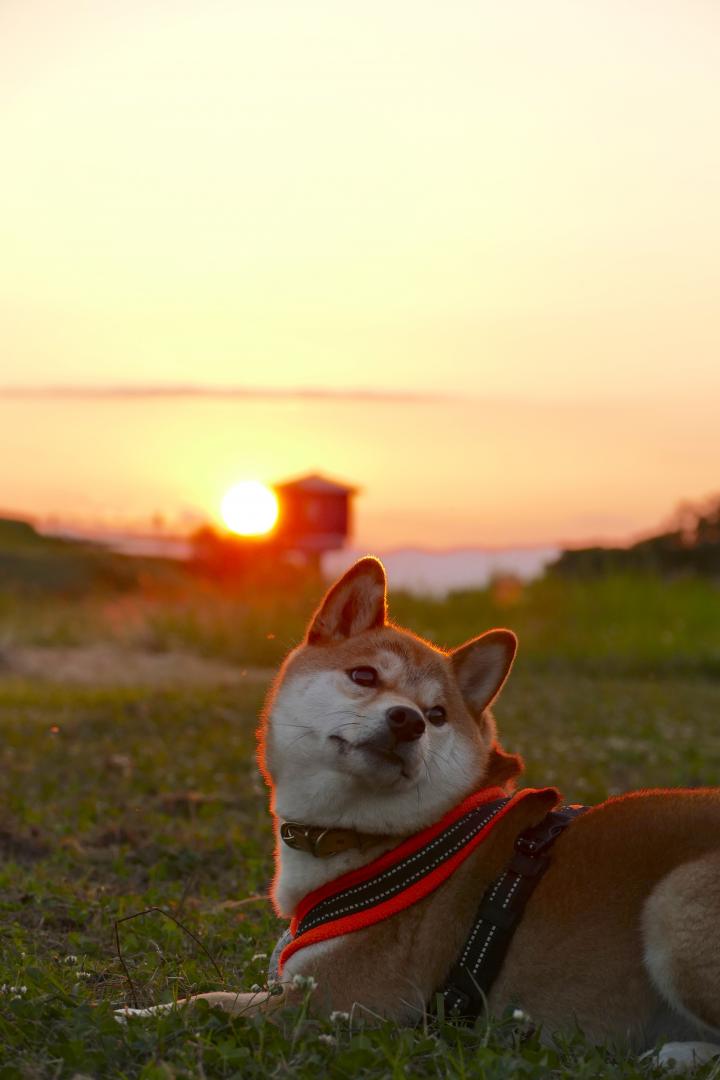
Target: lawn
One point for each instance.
(617, 625)
(121, 798)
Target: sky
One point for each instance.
(501, 220)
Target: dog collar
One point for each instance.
(402, 876)
(325, 842)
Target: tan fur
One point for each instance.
(578, 954)
(622, 935)
(680, 926)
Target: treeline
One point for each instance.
(690, 544)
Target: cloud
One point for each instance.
(137, 391)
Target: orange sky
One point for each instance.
(433, 473)
(511, 206)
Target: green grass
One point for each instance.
(117, 801)
(618, 625)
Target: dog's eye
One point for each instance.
(364, 676)
(436, 715)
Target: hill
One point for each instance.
(32, 562)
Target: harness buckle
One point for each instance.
(538, 838)
(532, 846)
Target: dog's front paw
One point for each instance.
(126, 1013)
(684, 1056)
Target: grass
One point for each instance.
(119, 800)
(617, 625)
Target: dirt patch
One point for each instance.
(187, 803)
(22, 847)
(110, 665)
(117, 835)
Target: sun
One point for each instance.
(249, 508)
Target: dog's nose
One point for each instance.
(405, 724)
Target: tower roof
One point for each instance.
(315, 484)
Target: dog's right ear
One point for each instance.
(482, 666)
(355, 603)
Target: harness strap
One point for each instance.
(403, 876)
(405, 872)
(468, 984)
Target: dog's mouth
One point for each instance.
(380, 753)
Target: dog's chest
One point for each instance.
(393, 967)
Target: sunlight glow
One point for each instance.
(249, 508)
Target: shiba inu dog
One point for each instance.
(370, 736)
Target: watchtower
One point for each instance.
(315, 514)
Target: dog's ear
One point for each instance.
(482, 666)
(355, 603)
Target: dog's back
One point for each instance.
(628, 908)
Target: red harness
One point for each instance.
(424, 861)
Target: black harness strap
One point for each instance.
(468, 984)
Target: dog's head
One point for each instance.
(369, 727)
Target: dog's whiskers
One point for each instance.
(299, 738)
(343, 712)
(437, 754)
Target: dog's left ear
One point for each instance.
(355, 603)
(482, 666)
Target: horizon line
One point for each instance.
(58, 525)
(134, 391)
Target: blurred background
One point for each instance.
(464, 259)
(283, 284)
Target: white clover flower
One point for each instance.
(304, 982)
(339, 1018)
(520, 1015)
(70, 959)
(329, 1040)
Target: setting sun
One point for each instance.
(249, 508)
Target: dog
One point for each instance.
(370, 736)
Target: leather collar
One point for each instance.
(325, 842)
